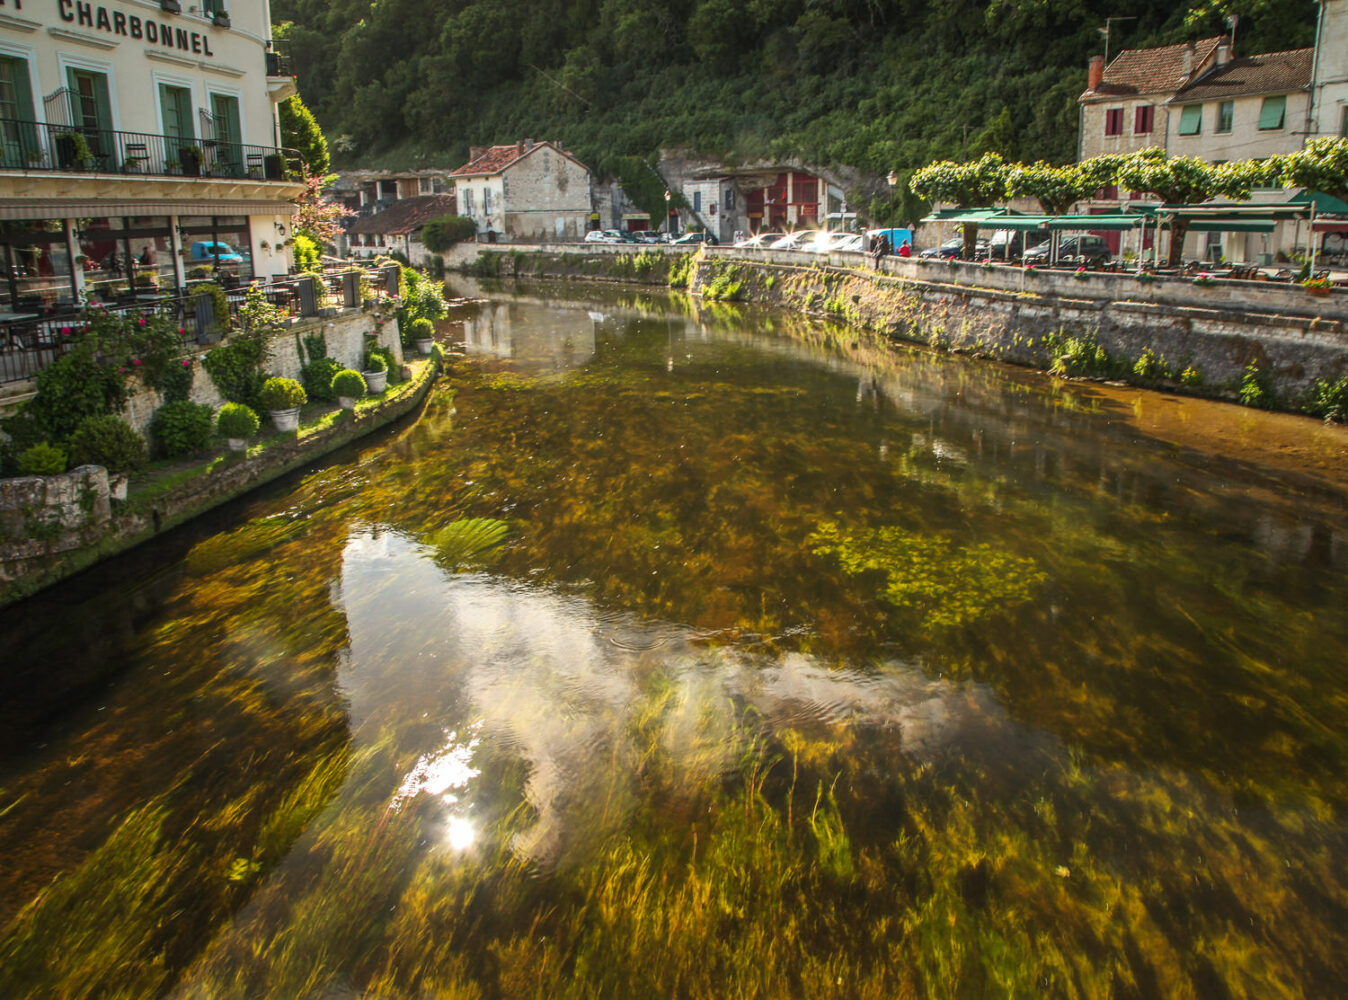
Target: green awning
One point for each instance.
(963, 214)
(1211, 225)
(1020, 223)
(1105, 222)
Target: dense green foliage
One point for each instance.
(440, 234)
(236, 421)
(300, 132)
(108, 441)
(282, 394)
(879, 84)
(42, 459)
(181, 428)
(348, 383)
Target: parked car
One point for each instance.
(827, 242)
(649, 236)
(609, 236)
(760, 241)
(216, 253)
(794, 241)
(1082, 249)
(953, 248)
(690, 238)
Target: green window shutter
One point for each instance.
(1191, 119)
(1272, 113)
(176, 103)
(18, 138)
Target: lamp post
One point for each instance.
(669, 226)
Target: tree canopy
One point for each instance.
(875, 85)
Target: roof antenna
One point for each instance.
(1109, 21)
(1231, 21)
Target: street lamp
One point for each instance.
(668, 227)
(893, 179)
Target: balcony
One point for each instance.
(34, 146)
(280, 78)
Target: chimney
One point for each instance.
(1187, 65)
(475, 151)
(1095, 72)
(519, 149)
(528, 144)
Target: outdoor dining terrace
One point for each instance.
(29, 342)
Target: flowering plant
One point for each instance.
(1322, 283)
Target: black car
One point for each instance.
(952, 248)
(688, 238)
(1091, 250)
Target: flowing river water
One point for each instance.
(706, 652)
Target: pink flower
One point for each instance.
(142, 321)
(122, 370)
(182, 331)
(187, 362)
(136, 362)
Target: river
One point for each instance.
(706, 652)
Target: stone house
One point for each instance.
(525, 192)
(398, 227)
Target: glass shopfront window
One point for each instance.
(126, 258)
(217, 247)
(35, 261)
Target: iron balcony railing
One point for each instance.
(37, 146)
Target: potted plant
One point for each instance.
(113, 443)
(236, 423)
(348, 385)
(375, 373)
(171, 6)
(283, 398)
(422, 332)
(72, 151)
(190, 158)
(1317, 286)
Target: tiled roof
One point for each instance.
(493, 161)
(405, 216)
(1269, 73)
(1151, 71)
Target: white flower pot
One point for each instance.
(376, 381)
(346, 402)
(237, 444)
(286, 420)
(117, 483)
(424, 346)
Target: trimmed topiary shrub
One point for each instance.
(42, 459)
(181, 428)
(282, 394)
(108, 441)
(236, 421)
(348, 383)
(317, 377)
(421, 329)
(375, 362)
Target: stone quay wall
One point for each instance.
(1008, 313)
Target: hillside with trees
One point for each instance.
(876, 85)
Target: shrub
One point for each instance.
(375, 362)
(1191, 376)
(440, 234)
(1329, 399)
(282, 394)
(385, 355)
(348, 383)
(1255, 388)
(1150, 365)
(421, 329)
(305, 251)
(181, 428)
(236, 421)
(108, 441)
(317, 377)
(42, 459)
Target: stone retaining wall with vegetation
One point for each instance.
(55, 526)
(1257, 343)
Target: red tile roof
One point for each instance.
(1269, 73)
(493, 161)
(1151, 71)
(405, 216)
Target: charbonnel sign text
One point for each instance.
(86, 15)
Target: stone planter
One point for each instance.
(377, 382)
(117, 483)
(286, 420)
(1317, 291)
(424, 346)
(346, 402)
(237, 444)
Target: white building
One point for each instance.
(526, 191)
(138, 140)
(1329, 86)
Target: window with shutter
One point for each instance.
(1191, 119)
(1272, 113)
